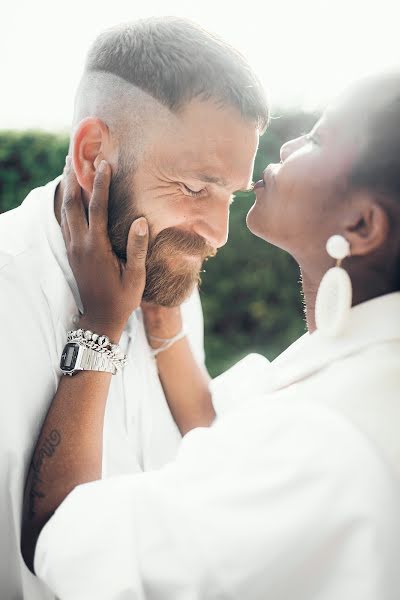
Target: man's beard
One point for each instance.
(174, 257)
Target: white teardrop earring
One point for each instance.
(334, 296)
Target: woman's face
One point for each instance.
(303, 199)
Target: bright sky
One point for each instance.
(304, 50)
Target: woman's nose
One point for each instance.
(289, 147)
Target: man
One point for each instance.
(177, 113)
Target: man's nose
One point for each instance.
(289, 147)
(213, 225)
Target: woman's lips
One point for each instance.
(268, 177)
(259, 184)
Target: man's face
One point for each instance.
(184, 185)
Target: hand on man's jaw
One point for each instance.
(184, 194)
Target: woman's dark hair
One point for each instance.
(376, 107)
(378, 165)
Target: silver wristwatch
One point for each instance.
(76, 357)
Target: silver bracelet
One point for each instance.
(100, 344)
(166, 342)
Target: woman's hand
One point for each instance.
(110, 290)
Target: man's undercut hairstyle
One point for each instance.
(175, 61)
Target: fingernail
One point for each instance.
(141, 227)
(102, 166)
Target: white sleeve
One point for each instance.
(259, 506)
(27, 385)
(193, 323)
(246, 379)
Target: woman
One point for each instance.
(294, 493)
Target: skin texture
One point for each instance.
(184, 181)
(210, 143)
(306, 199)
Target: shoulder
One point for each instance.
(369, 366)
(307, 436)
(22, 229)
(192, 317)
(192, 308)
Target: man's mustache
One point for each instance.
(178, 241)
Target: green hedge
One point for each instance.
(28, 160)
(250, 291)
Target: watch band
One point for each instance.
(91, 360)
(77, 357)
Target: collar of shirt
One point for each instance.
(56, 240)
(369, 323)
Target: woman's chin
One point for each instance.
(254, 221)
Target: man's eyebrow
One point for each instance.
(219, 181)
(211, 179)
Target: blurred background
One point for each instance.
(304, 52)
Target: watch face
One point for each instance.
(69, 356)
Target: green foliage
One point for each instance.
(250, 291)
(28, 160)
(250, 297)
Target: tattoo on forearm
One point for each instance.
(45, 451)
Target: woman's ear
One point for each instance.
(90, 145)
(367, 225)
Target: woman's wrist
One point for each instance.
(112, 330)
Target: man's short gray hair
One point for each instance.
(174, 61)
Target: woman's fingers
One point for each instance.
(136, 252)
(98, 205)
(72, 210)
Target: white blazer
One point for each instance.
(293, 493)
(39, 303)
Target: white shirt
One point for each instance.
(39, 303)
(293, 493)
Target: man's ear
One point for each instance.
(367, 225)
(91, 141)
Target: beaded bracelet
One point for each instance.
(99, 343)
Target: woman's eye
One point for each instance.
(191, 192)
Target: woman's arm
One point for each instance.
(69, 448)
(68, 451)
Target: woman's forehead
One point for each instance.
(343, 122)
